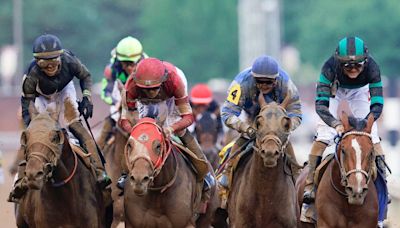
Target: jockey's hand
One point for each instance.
(125, 125)
(168, 131)
(86, 107)
(251, 132)
(339, 129)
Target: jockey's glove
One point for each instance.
(86, 107)
(340, 129)
(168, 131)
(125, 125)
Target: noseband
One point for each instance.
(271, 137)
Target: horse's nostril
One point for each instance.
(276, 153)
(132, 178)
(39, 174)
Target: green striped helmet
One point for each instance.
(351, 49)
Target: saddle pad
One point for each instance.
(200, 164)
(81, 153)
(319, 171)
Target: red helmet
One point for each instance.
(201, 94)
(150, 73)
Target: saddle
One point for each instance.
(320, 170)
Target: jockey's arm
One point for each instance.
(28, 95)
(375, 90)
(186, 113)
(82, 73)
(293, 109)
(323, 93)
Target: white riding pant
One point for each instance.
(55, 104)
(359, 104)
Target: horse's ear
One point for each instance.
(261, 100)
(69, 110)
(24, 138)
(287, 99)
(286, 123)
(56, 137)
(344, 118)
(370, 122)
(33, 112)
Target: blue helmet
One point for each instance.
(265, 67)
(47, 47)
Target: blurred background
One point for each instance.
(211, 41)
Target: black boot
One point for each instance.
(20, 187)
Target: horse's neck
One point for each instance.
(259, 173)
(65, 164)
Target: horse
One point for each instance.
(113, 153)
(162, 190)
(206, 131)
(62, 190)
(346, 196)
(262, 192)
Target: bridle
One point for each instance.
(50, 162)
(166, 149)
(343, 173)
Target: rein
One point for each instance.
(53, 163)
(343, 173)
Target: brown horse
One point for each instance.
(62, 190)
(262, 191)
(206, 131)
(346, 196)
(162, 190)
(114, 155)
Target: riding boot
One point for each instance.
(106, 132)
(294, 165)
(224, 180)
(314, 159)
(20, 187)
(88, 143)
(204, 176)
(380, 163)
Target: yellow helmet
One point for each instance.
(129, 49)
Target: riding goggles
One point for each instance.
(266, 82)
(353, 65)
(46, 63)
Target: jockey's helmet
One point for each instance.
(351, 50)
(150, 73)
(47, 46)
(265, 67)
(129, 49)
(201, 94)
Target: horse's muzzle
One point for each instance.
(356, 198)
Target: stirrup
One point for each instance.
(308, 198)
(121, 181)
(209, 182)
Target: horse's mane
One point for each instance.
(357, 123)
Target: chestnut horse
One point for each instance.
(346, 196)
(62, 190)
(162, 190)
(262, 192)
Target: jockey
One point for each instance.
(124, 58)
(161, 84)
(265, 76)
(48, 83)
(201, 100)
(351, 75)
